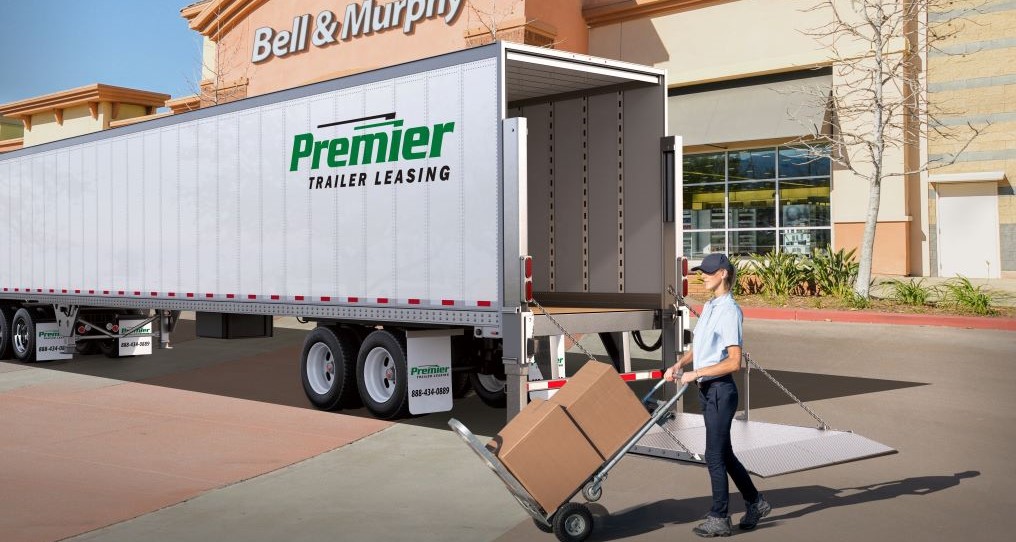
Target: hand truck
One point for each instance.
(572, 521)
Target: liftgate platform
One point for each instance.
(765, 449)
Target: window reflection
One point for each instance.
(803, 241)
(756, 164)
(703, 206)
(752, 205)
(746, 243)
(757, 200)
(804, 202)
(698, 244)
(796, 162)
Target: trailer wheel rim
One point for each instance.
(20, 336)
(320, 368)
(380, 374)
(575, 525)
(491, 383)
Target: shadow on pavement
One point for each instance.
(657, 515)
(268, 370)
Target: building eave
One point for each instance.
(625, 10)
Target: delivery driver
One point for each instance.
(716, 353)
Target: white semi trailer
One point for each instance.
(410, 211)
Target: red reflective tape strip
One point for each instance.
(137, 292)
(172, 294)
(382, 300)
(105, 292)
(275, 297)
(63, 291)
(91, 291)
(77, 291)
(5, 289)
(354, 299)
(190, 294)
(230, 296)
(298, 297)
(483, 303)
(414, 301)
(326, 298)
(155, 294)
(209, 295)
(17, 289)
(252, 296)
(50, 290)
(627, 377)
(447, 302)
(120, 292)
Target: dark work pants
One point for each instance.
(719, 403)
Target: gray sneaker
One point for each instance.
(713, 526)
(756, 511)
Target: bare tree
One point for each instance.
(216, 83)
(494, 20)
(880, 104)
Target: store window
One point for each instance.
(756, 201)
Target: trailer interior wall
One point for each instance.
(595, 213)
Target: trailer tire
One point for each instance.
(6, 318)
(382, 374)
(490, 389)
(109, 348)
(460, 384)
(573, 522)
(87, 348)
(23, 335)
(326, 366)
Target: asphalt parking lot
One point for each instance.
(214, 440)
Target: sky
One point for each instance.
(52, 45)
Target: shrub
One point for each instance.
(913, 292)
(780, 274)
(745, 279)
(960, 293)
(833, 273)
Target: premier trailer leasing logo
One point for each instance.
(374, 143)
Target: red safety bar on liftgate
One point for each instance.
(557, 383)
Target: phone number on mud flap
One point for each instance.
(430, 391)
(51, 349)
(135, 344)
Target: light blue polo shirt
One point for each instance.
(717, 328)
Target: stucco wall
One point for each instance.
(369, 51)
(76, 121)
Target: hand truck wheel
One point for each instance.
(592, 492)
(573, 522)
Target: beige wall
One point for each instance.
(722, 41)
(77, 121)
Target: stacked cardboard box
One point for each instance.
(544, 449)
(553, 447)
(602, 406)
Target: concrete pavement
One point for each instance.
(943, 397)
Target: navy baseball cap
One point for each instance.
(713, 263)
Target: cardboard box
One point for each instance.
(547, 453)
(602, 406)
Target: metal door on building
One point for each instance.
(968, 242)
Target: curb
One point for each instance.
(867, 317)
